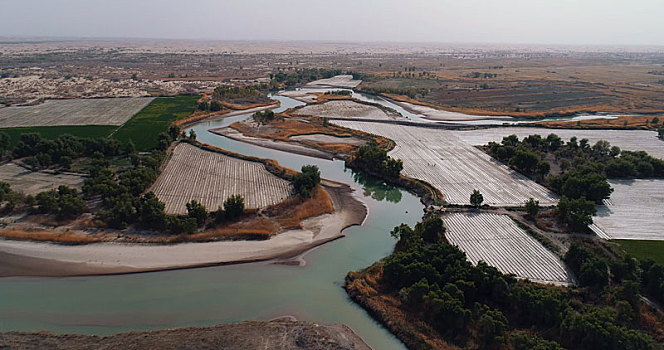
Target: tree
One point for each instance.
(151, 213)
(476, 199)
(532, 207)
(234, 207)
(306, 181)
(4, 143)
(577, 213)
(197, 211)
(431, 229)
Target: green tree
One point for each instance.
(150, 211)
(234, 207)
(476, 199)
(4, 143)
(577, 213)
(197, 211)
(306, 181)
(532, 207)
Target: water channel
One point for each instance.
(209, 296)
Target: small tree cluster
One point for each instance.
(64, 203)
(306, 182)
(374, 159)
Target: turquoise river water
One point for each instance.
(214, 295)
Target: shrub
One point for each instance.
(233, 207)
(306, 181)
(476, 199)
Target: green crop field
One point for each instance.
(644, 249)
(144, 128)
(52, 132)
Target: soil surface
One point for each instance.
(276, 334)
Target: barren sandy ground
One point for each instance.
(328, 139)
(33, 182)
(103, 111)
(274, 144)
(634, 211)
(339, 81)
(438, 114)
(347, 109)
(305, 96)
(20, 258)
(277, 334)
(34, 88)
(629, 140)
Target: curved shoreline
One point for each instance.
(21, 258)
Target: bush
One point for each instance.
(306, 181)
(198, 212)
(374, 160)
(64, 202)
(476, 199)
(233, 207)
(532, 207)
(577, 213)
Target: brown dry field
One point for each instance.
(288, 127)
(535, 87)
(537, 80)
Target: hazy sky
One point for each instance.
(603, 22)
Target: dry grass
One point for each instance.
(245, 107)
(286, 127)
(50, 236)
(290, 213)
(322, 98)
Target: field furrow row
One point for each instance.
(211, 178)
(455, 167)
(498, 241)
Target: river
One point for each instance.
(214, 295)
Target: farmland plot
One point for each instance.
(104, 111)
(337, 81)
(347, 109)
(498, 241)
(634, 211)
(455, 167)
(210, 178)
(629, 140)
(33, 182)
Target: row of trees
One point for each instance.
(411, 92)
(41, 152)
(584, 169)
(230, 93)
(304, 75)
(480, 305)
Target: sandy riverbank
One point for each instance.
(21, 258)
(273, 144)
(276, 334)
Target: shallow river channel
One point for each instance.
(214, 295)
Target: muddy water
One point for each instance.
(208, 296)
